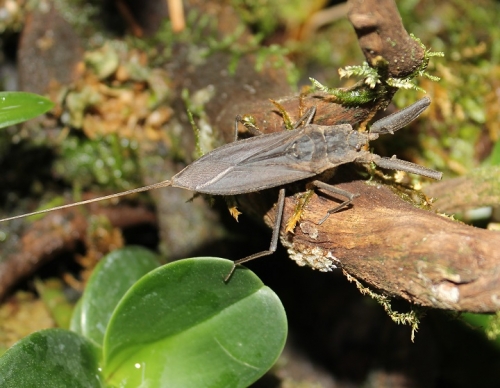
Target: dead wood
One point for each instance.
(57, 233)
(400, 249)
(381, 33)
(477, 188)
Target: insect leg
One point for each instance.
(306, 117)
(400, 119)
(274, 239)
(350, 196)
(402, 165)
(249, 123)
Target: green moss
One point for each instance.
(463, 118)
(83, 15)
(411, 318)
(107, 161)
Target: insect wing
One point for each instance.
(249, 165)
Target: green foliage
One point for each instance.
(488, 324)
(53, 358)
(16, 107)
(375, 83)
(177, 325)
(494, 158)
(353, 96)
(259, 14)
(95, 311)
(184, 322)
(203, 40)
(52, 294)
(370, 75)
(421, 71)
(198, 118)
(411, 318)
(109, 160)
(465, 114)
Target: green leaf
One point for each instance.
(487, 324)
(75, 324)
(16, 107)
(50, 358)
(494, 158)
(51, 292)
(182, 326)
(111, 279)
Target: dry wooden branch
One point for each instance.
(400, 249)
(56, 233)
(381, 34)
(480, 187)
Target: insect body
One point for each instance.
(276, 159)
(280, 158)
(271, 160)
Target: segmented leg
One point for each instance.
(307, 118)
(325, 186)
(274, 238)
(249, 122)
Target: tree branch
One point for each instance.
(402, 250)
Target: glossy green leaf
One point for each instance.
(16, 107)
(182, 326)
(111, 279)
(50, 358)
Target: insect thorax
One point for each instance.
(343, 144)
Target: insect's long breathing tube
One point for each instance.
(111, 196)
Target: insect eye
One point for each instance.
(358, 147)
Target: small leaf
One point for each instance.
(182, 326)
(16, 107)
(111, 279)
(50, 358)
